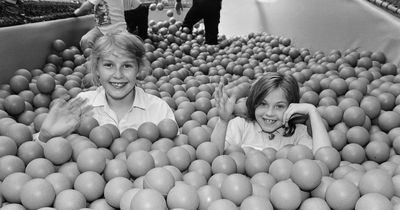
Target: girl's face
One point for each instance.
(117, 74)
(269, 114)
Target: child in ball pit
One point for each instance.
(272, 108)
(115, 61)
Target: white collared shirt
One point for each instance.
(249, 134)
(145, 108)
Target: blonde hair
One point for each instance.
(123, 42)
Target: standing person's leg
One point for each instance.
(211, 22)
(193, 16)
(87, 40)
(130, 20)
(143, 21)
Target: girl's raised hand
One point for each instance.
(225, 104)
(63, 118)
(297, 109)
(320, 136)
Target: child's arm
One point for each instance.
(225, 106)
(319, 133)
(320, 137)
(218, 135)
(85, 6)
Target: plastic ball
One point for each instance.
(148, 199)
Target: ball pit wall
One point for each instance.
(346, 24)
(27, 46)
(318, 25)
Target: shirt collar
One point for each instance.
(139, 101)
(100, 99)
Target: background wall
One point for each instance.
(314, 24)
(27, 46)
(318, 25)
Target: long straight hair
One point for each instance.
(265, 85)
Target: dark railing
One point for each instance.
(23, 12)
(391, 6)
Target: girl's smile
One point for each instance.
(118, 85)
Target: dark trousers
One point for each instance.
(209, 11)
(137, 21)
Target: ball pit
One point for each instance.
(356, 93)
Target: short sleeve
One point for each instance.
(168, 111)
(302, 136)
(159, 108)
(234, 132)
